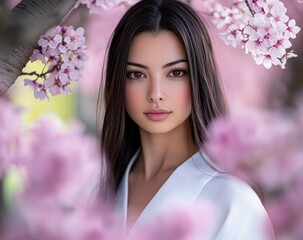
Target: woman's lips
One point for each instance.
(157, 114)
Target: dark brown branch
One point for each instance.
(250, 9)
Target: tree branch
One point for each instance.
(250, 9)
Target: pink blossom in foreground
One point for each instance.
(60, 168)
(58, 161)
(10, 122)
(179, 223)
(63, 52)
(265, 148)
(263, 29)
(258, 146)
(86, 222)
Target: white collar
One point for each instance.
(182, 187)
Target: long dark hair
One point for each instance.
(120, 135)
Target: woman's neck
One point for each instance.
(164, 152)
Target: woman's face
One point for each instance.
(157, 91)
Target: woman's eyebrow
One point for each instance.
(165, 66)
(137, 65)
(174, 62)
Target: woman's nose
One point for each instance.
(155, 93)
(155, 99)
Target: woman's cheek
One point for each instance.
(182, 96)
(133, 96)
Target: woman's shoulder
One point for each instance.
(229, 193)
(237, 211)
(223, 185)
(230, 189)
(235, 203)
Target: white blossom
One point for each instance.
(263, 29)
(292, 29)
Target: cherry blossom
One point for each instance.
(39, 89)
(179, 223)
(237, 15)
(51, 166)
(265, 149)
(63, 52)
(292, 29)
(287, 56)
(85, 222)
(268, 58)
(263, 129)
(261, 27)
(278, 12)
(10, 121)
(82, 223)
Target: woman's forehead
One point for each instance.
(162, 46)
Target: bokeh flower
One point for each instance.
(265, 149)
(10, 121)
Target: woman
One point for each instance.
(161, 92)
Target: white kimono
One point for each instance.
(238, 213)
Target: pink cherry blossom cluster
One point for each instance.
(265, 149)
(60, 167)
(85, 222)
(261, 27)
(179, 223)
(97, 6)
(254, 143)
(11, 126)
(62, 50)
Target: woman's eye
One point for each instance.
(177, 73)
(135, 75)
